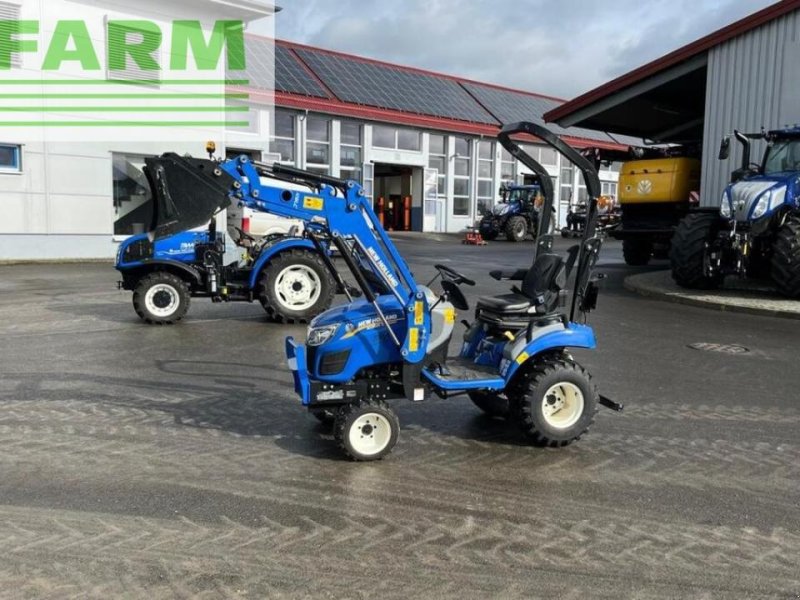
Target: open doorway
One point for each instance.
(398, 196)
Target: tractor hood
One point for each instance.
(187, 192)
(760, 196)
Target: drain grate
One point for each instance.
(723, 348)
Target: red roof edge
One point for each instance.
(720, 36)
(394, 117)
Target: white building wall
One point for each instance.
(752, 83)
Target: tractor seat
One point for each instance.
(539, 293)
(506, 303)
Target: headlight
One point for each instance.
(762, 206)
(725, 207)
(319, 335)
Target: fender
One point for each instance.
(149, 265)
(269, 252)
(574, 336)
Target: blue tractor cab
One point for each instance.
(393, 342)
(755, 232)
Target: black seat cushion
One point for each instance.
(505, 304)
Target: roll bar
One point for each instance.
(590, 245)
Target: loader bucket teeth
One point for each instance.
(186, 192)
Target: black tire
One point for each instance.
(490, 236)
(278, 304)
(786, 258)
(516, 229)
(366, 430)
(161, 298)
(688, 251)
(637, 252)
(490, 403)
(527, 402)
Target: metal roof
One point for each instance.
(566, 112)
(327, 81)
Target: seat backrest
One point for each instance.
(548, 274)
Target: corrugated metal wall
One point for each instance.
(752, 82)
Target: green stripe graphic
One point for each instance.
(124, 123)
(131, 109)
(67, 96)
(124, 81)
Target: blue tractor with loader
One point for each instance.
(391, 339)
(285, 273)
(756, 230)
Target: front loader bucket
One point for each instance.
(187, 192)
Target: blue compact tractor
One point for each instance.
(756, 230)
(393, 341)
(287, 274)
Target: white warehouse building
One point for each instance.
(423, 145)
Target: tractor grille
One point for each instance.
(334, 362)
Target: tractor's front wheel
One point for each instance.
(490, 403)
(161, 298)
(490, 236)
(786, 258)
(554, 402)
(637, 252)
(516, 229)
(295, 287)
(366, 430)
(689, 251)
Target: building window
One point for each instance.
(609, 188)
(10, 14)
(548, 156)
(318, 144)
(396, 139)
(10, 158)
(508, 166)
(485, 177)
(351, 160)
(283, 138)
(438, 160)
(567, 175)
(461, 178)
(118, 37)
(132, 207)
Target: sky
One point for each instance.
(558, 47)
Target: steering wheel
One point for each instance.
(453, 276)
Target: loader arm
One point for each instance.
(188, 192)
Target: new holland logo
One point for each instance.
(645, 187)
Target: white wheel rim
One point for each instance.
(562, 405)
(370, 434)
(298, 287)
(162, 300)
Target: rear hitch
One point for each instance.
(609, 403)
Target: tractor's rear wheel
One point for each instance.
(490, 403)
(637, 252)
(516, 229)
(295, 287)
(161, 298)
(786, 258)
(366, 430)
(554, 402)
(689, 251)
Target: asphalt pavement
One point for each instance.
(170, 462)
